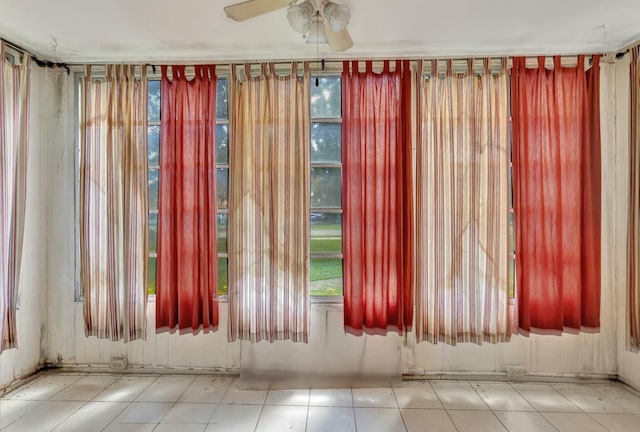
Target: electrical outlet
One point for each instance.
(118, 363)
(515, 371)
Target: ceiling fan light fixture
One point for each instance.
(300, 16)
(337, 16)
(317, 33)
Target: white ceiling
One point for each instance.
(199, 31)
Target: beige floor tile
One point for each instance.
(427, 420)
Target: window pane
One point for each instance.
(222, 100)
(223, 276)
(326, 188)
(326, 233)
(153, 188)
(326, 142)
(511, 185)
(153, 100)
(222, 144)
(325, 99)
(153, 232)
(326, 276)
(512, 278)
(151, 278)
(222, 187)
(222, 232)
(512, 235)
(153, 144)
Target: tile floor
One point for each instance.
(206, 403)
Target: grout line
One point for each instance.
(597, 422)
(501, 422)
(67, 417)
(477, 393)
(443, 407)
(612, 399)
(353, 406)
(533, 406)
(395, 397)
(127, 404)
(306, 420)
(264, 403)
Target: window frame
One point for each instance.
(152, 123)
(227, 166)
(219, 211)
(317, 298)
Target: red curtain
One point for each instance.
(186, 284)
(556, 180)
(377, 200)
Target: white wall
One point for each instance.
(31, 316)
(61, 227)
(628, 362)
(330, 351)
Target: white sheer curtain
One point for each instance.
(14, 143)
(462, 207)
(113, 203)
(269, 206)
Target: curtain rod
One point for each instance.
(37, 60)
(335, 67)
(280, 62)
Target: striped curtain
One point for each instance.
(269, 205)
(462, 192)
(378, 237)
(14, 143)
(113, 203)
(633, 234)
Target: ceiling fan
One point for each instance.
(322, 21)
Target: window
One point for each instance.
(512, 224)
(326, 187)
(326, 184)
(153, 151)
(222, 182)
(222, 176)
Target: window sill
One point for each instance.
(313, 299)
(224, 299)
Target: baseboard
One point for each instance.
(26, 379)
(635, 390)
(144, 369)
(409, 376)
(504, 377)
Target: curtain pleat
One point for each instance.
(187, 275)
(377, 199)
(633, 223)
(462, 193)
(556, 169)
(269, 206)
(14, 149)
(113, 203)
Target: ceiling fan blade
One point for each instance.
(338, 41)
(253, 8)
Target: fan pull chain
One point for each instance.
(318, 45)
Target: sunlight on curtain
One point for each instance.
(378, 248)
(269, 206)
(187, 275)
(14, 143)
(462, 207)
(557, 187)
(633, 227)
(113, 203)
